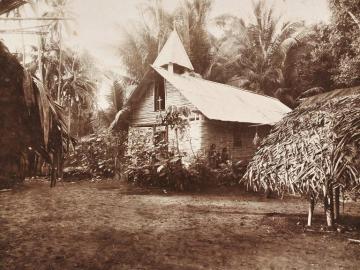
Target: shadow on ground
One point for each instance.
(115, 226)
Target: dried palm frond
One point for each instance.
(313, 147)
(8, 5)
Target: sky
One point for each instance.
(98, 24)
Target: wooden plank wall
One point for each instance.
(190, 142)
(222, 135)
(202, 132)
(143, 111)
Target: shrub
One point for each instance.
(95, 155)
(155, 166)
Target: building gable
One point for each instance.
(173, 52)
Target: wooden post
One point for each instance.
(177, 141)
(171, 67)
(311, 211)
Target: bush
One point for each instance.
(95, 155)
(155, 166)
(151, 165)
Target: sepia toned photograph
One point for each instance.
(179, 134)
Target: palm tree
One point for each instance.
(68, 75)
(261, 48)
(144, 39)
(59, 9)
(191, 20)
(78, 87)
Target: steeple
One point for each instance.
(172, 53)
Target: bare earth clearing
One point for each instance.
(113, 226)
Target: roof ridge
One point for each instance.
(243, 105)
(228, 85)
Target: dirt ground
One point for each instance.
(114, 226)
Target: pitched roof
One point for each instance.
(173, 52)
(227, 103)
(330, 95)
(9, 5)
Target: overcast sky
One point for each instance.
(98, 21)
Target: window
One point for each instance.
(194, 116)
(159, 94)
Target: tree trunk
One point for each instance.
(329, 207)
(58, 96)
(53, 174)
(22, 38)
(336, 203)
(311, 211)
(54, 169)
(177, 141)
(69, 119)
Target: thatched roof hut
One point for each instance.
(9, 5)
(314, 149)
(29, 119)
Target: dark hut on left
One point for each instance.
(30, 122)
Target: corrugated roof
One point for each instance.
(227, 103)
(173, 52)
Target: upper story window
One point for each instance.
(159, 94)
(194, 116)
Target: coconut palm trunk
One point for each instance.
(59, 68)
(336, 203)
(311, 211)
(329, 206)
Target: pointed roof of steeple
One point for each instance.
(173, 52)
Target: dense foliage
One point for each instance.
(152, 164)
(259, 48)
(156, 166)
(144, 39)
(96, 155)
(345, 41)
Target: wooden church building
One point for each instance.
(222, 116)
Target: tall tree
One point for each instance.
(191, 19)
(259, 49)
(345, 41)
(144, 39)
(311, 64)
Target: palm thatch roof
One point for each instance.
(9, 5)
(29, 117)
(315, 146)
(342, 92)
